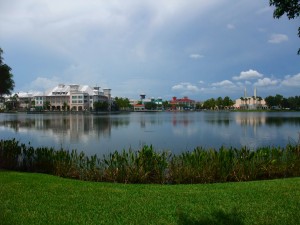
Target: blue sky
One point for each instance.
(196, 48)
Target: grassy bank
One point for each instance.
(29, 198)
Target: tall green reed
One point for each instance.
(149, 166)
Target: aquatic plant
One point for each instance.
(149, 166)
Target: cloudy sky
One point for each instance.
(164, 48)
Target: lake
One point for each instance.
(174, 131)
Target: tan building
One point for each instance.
(253, 102)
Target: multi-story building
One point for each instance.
(254, 102)
(72, 97)
(182, 103)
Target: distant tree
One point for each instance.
(150, 105)
(228, 102)
(121, 103)
(166, 104)
(209, 104)
(274, 101)
(199, 105)
(13, 102)
(259, 99)
(285, 103)
(219, 102)
(65, 106)
(47, 105)
(289, 7)
(101, 106)
(7, 83)
(278, 100)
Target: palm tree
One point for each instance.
(242, 100)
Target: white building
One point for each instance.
(253, 102)
(72, 97)
(60, 98)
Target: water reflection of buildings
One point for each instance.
(250, 120)
(74, 126)
(181, 119)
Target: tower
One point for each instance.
(143, 96)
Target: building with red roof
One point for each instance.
(182, 103)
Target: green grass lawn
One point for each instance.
(27, 198)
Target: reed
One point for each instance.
(149, 166)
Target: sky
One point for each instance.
(162, 48)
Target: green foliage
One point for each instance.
(148, 166)
(150, 105)
(218, 103)
(166, 105)
(7, 83)
(289, 7)
(280, 102)
(47, 105)
(121, 104)
(101, 106)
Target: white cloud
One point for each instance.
(278, 38)
(224, 83)
(266, 82)
(186, 87)
(292, 81)
(196, 56)
(250, 74)
(44, 84)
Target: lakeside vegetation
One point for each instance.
(30, 198)
(149, 166)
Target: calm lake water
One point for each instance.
(174, 131)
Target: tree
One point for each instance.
(274, 101)
(227, 102)
(290, 7)
(13, 102)
(166, 104)
(150, 105)
(219, 102)
(47, 105)
(6, 78)
(121, 103)
(209, 104)
(101, 106)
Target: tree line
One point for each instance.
(280, 102)
(218, 103)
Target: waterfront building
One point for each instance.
(139, 105)
(182, 103)
(250, 102)
(73, 97)
(63, 97)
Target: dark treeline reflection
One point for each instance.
(279, 121)
(218, 118)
